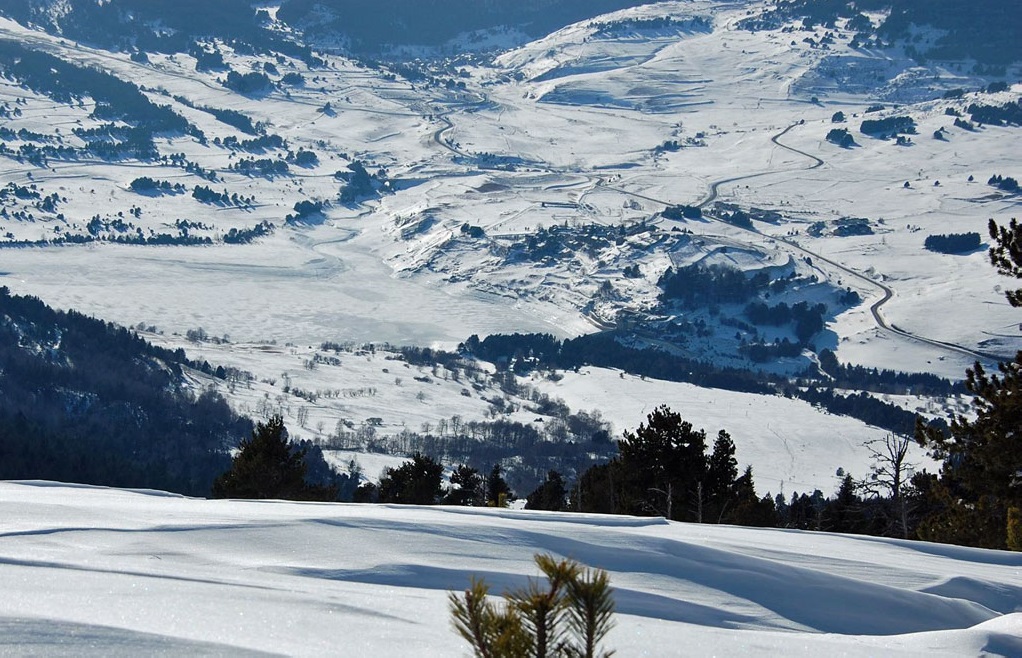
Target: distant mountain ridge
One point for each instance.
(368, 28)
(986, 31)
(431, 23)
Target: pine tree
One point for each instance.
(981, 476)
(662, 468)
(542, 609)
(549, 495)
(590, 612)
(843, 513)
(415, 482)
(492, 631)
(982, 458)
(748, 509)
(666, 464)
(497, 490)
(269, 466)
(721, 474)
(600, 489)
(470, 490)
(569, 616)
(1006, 254)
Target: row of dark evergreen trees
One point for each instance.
(664, 468)
(270, 465)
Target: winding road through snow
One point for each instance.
(713, 193)
(887, 293)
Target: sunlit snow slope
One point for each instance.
(602, 123)
(89, 571)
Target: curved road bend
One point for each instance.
(713, 194)
(887, 292)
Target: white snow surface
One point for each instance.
(791, 445)
(581, 113)
(94, 571)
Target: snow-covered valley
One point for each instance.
(559, 135)
(523, 146)
(310, 213)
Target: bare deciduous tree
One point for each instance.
(890, 473)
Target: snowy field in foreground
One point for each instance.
(110, 572)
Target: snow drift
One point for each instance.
(102, 571)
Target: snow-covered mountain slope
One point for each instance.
(93, 571)
(330, 396)
(604, 122)
(588, 134)
(791, 445)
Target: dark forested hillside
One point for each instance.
(367, 27)
(153, 25)
(373, 26)
(987, 30)
(86, 401)
(984, 30)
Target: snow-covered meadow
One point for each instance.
(566, 131)
(574, 113)
(581, 115)
(792, 445)
(93, 571)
